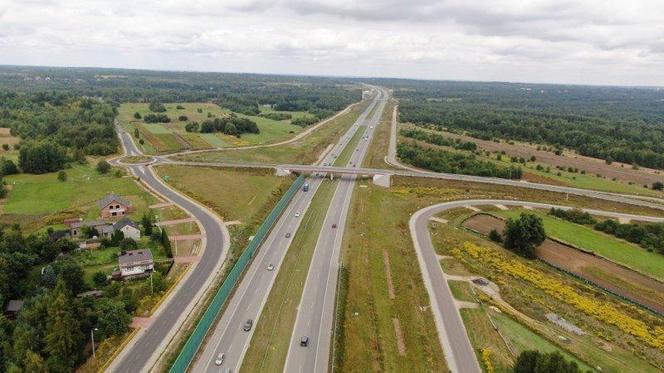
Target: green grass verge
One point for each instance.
(461, 290)
(617, 250)
(269, 345)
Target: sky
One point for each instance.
(605, 42)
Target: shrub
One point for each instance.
(103, 167)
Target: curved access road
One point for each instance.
(458, 351)
(143, 351)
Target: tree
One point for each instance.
(49, 276)
(495, 236)
(71, 274)
(112, 317)
(147, 221)
(34, 363)
(657, 185)
(62, 175)
(183, 118)
(166, 243)
(537, 362)
(99, 278)
(137, 133)
(523, 235)
(137, 115)
(103, 167)
(156, 106)
(41, 157)
(63, 334)
(7, 167)
(5, 147)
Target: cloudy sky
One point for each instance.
(555, 41)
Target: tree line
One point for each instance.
(439, 160)
(229, 125)
(438, 139)
(609, 139)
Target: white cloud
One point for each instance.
(588, 41)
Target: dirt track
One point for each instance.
(618, 279)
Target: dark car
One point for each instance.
(247, 325)
(334, 225)
(304, 341)
(288, 235)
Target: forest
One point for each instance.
(610, 123)
(451, 162)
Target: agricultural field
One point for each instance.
(172, 137)
(40, 201)
(305, 150)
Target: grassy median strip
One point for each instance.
(269, 344)
(369, 341)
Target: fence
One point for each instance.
(192, 345)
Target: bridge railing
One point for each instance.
(196, 338)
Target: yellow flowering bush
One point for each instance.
(602, 311)
(486, 359)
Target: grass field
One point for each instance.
(305, 150)
(170, 137)
(36, 201)
(269, 345)
(380, 141)
(483, 335)
(617, 250)
(369, 341)
(233, 194)
(461, 290)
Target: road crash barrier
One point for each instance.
(190, 348)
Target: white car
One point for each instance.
(270, 267)
(297, 214)
(220, 359)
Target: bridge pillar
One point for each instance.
(283, 171)
(384, 181)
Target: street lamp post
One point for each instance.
(92, 336)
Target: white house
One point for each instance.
(135, 262)
(129, 228)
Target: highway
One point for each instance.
(146, 347)
(315, 316)
(249, 299)
(459, 353)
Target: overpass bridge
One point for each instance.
(380, 177)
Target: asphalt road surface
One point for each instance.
(252, 293)
(459, 353)
(142, 352)
(315, 314)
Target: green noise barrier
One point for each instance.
(190, 348)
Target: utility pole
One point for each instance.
(92, 336)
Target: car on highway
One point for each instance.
(297, 214)
(220, 359)
(247, 325)
(270, 267)
(370, 127)
(304, 341)
(334, 225)
(288, 235)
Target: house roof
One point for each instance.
(106, 228)
(89, 223)
(14, 305)
(110, 198)
(124, 222)
(135, 257)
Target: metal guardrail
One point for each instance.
(190, 348)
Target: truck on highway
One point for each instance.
(305, 188)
